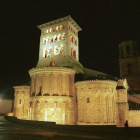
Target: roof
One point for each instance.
(67, 18)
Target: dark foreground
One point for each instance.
(17, 131)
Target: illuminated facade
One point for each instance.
(54, 95)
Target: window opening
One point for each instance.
(47, 40)
(64, 26)
(52, 63)
(60, 27)
(47, 31)
(63, 36)
(44, 41)
(19, 101)
(88, 100)
(52, 40)
(55, 38)
(57, 28)
(45, 53)
(50, 30)
(37, 104)
(59, 37)
(74, 54)
(54, 30)
(55, 104)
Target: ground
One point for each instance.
(17, 131)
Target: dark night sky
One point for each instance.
(104, 25)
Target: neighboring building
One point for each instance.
(6, 106)
(129, 59)
(65, 92)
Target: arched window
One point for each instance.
(52, 40)
(88, 100)
(64, 26)
(45, 53)
(47, 31)
(55, 38)
(44, 41)
(55, 104)
(52, 63)
(74, 54)
(47, 40)
(71, 51)
(57, 28)
(61, 49)
(19, 101)
(59, 37)
(63, 36)
(50, 30)
(54, 30)
(60, 27)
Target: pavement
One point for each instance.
(17, 131)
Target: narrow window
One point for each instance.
(54, 30)
(55, 104)
(76, 42)
(59, 37)
(44, 41)
(47, 31)
(19, 101)
(61, 49)
(63, 36)
(71, 51)
(55, 38)
(47, 40)
(88, 100)
(57, 28)
(52, 40)
(45, 53)
(50, 30)
(60, 27)
(72, 39)
(52, 63)
(64, 26)
(74, 54)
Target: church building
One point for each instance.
(63, 91)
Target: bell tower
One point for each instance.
(129, 60)
(59, 44)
